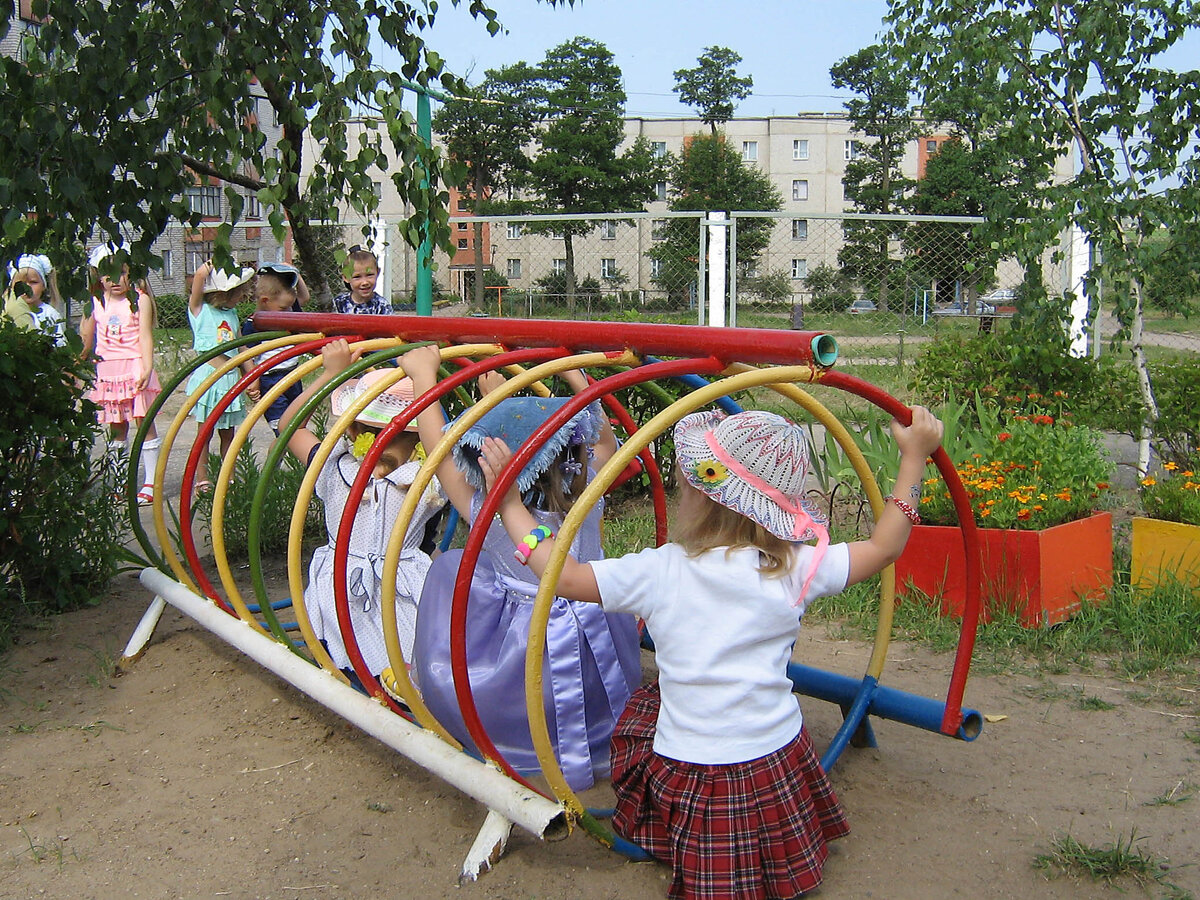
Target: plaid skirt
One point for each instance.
(756, 829)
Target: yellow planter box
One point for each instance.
(1161, 547)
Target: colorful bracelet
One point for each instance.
(909, 511)
(529, 543)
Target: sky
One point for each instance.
(787, 46)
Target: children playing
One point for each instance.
(362, 272)
(120, 328)
(278, 288)
(381, 504)
(713, 768)
(593, 660)
(212, 313)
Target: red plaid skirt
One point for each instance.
(756, 829)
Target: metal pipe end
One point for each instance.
(824, 350)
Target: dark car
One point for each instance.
(861, 306)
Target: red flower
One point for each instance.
(1043, 420)
(1003, 436)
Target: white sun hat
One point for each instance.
(755, 463)
(397, 398)
(219, 280)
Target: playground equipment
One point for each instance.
(712, 363)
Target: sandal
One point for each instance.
(146, 495)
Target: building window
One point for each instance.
(800, 189)
(377, 189)
(658, 149)
(464, 243)
(558, 266)
(26, 12)
(168, 266)
(204, 199)
(749, 151)
(27, 45)
(799, 229)
(851, 150)
(514, 231)
(655, 267)
(196, 254)
(608, 268)
(461, 204)
(253, 206)
(660, 190)
(750, 270)
(462, 226)
(512, 269)
(799, 269)
(931, 146)
(799, 149)
(608, 230)
(658, 229)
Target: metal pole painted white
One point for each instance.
(539, 816)
(1078, 266)
(718, 228)
(488, 847)
(142, 633)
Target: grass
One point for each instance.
(53, 851)
(103, 663)
(1124, 858)
(1182, 792)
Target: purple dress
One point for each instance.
(591, 664)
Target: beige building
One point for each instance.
(804, 155)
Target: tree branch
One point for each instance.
(202, 168)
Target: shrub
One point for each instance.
(61, 522)
(1100, 393)
(1177, 429)
(1173, 496)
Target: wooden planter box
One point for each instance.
(1044, 575)
(1164, 547)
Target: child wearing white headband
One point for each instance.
(713, 769)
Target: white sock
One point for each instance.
(150, 458)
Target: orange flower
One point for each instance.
(1003, 436)
(1023, 514)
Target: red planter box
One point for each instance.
(1044, 575)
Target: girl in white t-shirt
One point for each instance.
(713, 768)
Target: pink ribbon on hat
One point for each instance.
(803, 521)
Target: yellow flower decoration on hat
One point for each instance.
(709, 471)
(362, 444)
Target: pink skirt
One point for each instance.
(754, 829)
(115, 391)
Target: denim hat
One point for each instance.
(513, 420)
(286, 273)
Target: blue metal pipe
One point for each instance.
(882, 702)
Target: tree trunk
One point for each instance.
(569, 249)
(1145, 389)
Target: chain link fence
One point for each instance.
(882, 285)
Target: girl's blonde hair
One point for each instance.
(271, 285)
(719, 526)
(400, 448)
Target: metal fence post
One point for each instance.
(717, 223)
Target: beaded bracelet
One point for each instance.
(909, 511)
(529, 543)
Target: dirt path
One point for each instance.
(201, 775)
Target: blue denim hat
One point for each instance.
(513, 420)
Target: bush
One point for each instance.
(61, 522)
(1099, 393)
(1177, 429)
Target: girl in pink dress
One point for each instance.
(120, 329)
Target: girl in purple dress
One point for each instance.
(591, 663)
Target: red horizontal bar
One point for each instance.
(749, 345)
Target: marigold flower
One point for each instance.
(1023, 513)
(1064, 495)
(1170, 466)
(1149, 481)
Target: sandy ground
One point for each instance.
(199, 774)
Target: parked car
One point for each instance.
(861, 306)
(956, 308)
(1001, 297)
